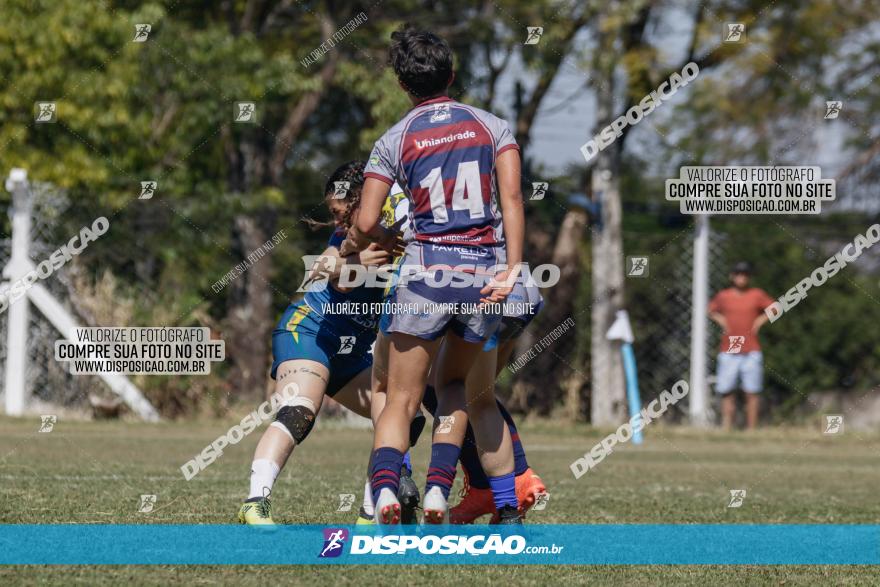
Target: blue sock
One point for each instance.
(520, 464)
(385, 471)
(470, 458)
(441, 471)
(470, 461)
(407, 463)
(504, 490)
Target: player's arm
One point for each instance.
(366, 227)
(329, 264)
(507, 170)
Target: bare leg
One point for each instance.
(409, 360)
(504, 351)
(311, 378)
(728, 410)
(379, 376)
(753, 409)
(355, 395)
(450, 418)
(491, 433)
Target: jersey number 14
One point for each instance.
(466, 195)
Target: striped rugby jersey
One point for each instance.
(442, 153)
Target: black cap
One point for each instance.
(742, 267)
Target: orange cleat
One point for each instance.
(479, 502)
(474, 503)
(528, 487)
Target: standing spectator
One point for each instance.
(739, 311)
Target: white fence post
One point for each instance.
(17, 330)
(699, 394)
(17, 327)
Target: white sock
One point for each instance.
(263, 475)
(369, 509)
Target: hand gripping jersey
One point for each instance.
(443, 155)
(322, 296)
(315, 330)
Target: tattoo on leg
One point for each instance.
(315, 373)
(301, 370)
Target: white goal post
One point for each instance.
(19, 311)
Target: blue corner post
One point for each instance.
(632, 388)
(621, 331)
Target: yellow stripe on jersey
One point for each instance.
(392, 213)
(298, 316)
(389, 208)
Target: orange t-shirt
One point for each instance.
(740, 308)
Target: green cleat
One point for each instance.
(256, 511)
(364, 519)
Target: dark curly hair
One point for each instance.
(353, 173)
(422, 62)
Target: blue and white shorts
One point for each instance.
(427, 310)
(740, 371)
(343, 347)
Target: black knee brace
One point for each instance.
(416, 427)
(298, 420)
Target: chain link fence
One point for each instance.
(47, 380)
(661, 310)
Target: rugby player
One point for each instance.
(446, 156)
(306, 349)
(295, 338)
(522, 305)
(525, 302)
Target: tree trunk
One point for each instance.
(558, 306)
(249, 321)
(608, 396)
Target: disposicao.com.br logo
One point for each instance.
(474, 545)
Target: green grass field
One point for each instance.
(94, 473)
